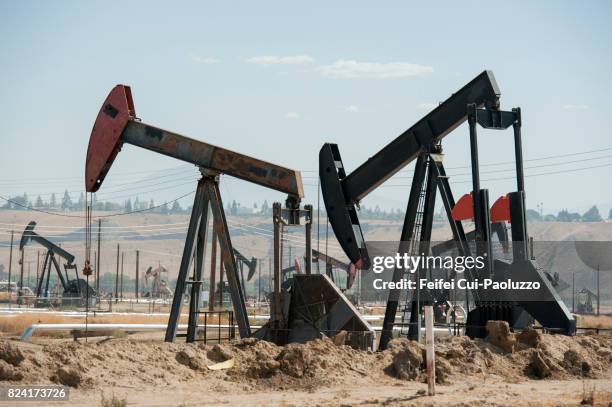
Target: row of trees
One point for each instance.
(23, 202)
(592, 215)
(66, 203)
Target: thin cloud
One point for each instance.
(575, 107)
(204, 60)
(427, 106)
(292, 116)
(271, 60)
(352, 109)
(346, 69)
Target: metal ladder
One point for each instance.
(413, 250)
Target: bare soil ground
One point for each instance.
(527, 369)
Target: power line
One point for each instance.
(98, 217)
(524, 160)
(504, 178)
(509, 169)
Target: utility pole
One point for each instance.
(117, 277)
(259, 282)
(37, 265)
(98, 259)
(221, 276)
(573, 291)
(8, 286)
(20, 292)
(122, 275)
(28, 276)
(429, 351)
(95, 262)
(269, 273)
(598, 290)
(136, 287)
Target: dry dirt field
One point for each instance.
(507, 370)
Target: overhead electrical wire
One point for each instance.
(504, 178)
(99, 216)
(509, 169)
(550, 157)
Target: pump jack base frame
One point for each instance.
(207, 199)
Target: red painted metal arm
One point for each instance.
(116, 124)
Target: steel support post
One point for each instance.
(51, 263)
(472, 122)
(59, 271)
(229, 260)
(42, 276)
(517, 208)
(196, 283)
(308, 227)
(276, 310)
(414, 330)
(213, 270)
(482, 230)
(179, 291)
(407, 232)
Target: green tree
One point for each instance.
(128, 206)
(176, 208)
(592, 215)
(533, 215)
(66, 201)
(39, 202)
(81, 203)
(53, 201)
(566, 216)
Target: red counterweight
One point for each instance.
(104, 143)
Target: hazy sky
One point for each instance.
(278, 79)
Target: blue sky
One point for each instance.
(278, 79)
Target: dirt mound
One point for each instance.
(10, 353)
(259, 364)
(298, 365)
(532, 355)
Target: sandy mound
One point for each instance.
(260, 364)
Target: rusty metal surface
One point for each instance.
(214, 158)
(116, 124)
(104, 141)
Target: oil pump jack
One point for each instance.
(72, 288)
(331, 263)
(117, 124)
(251, 265)
(478, 103)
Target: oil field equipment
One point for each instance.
(117, 124)
(74, 289)
(477, 103)
(332, 263)
(155, 284)
(308, 306)
(251, 264)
